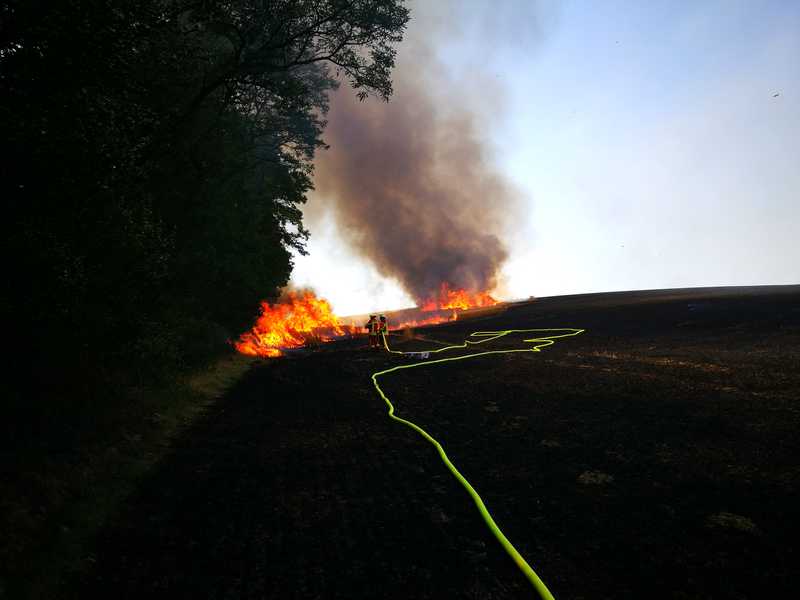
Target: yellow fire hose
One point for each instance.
(485, 336)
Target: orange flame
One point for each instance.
(291, 323)
(410, 324)
(457, 299)
(302, 317)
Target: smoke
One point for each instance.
(410, 183)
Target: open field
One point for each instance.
(656, 455)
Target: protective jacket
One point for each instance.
(373, 326)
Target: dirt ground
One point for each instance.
(656, 455)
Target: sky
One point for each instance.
(645, 139)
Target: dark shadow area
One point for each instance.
(654, 456)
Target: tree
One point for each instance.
(159, 154)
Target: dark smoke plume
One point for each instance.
(411, 186)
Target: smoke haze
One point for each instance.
(410, 182)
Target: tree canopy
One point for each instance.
(157, 156)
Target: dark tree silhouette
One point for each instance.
(158, 154)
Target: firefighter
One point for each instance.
(372, 327)
(383, 331)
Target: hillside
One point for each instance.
(653, 456)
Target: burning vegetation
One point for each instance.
(457, 299)
(300, 317)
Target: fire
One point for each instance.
(302, 317)
(457, 300)
(291, 323)
(412, 323)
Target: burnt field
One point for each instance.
(656, 455)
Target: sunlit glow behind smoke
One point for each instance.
(412, 189)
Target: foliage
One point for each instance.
(158, 155)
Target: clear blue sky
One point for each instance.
(644, 138)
